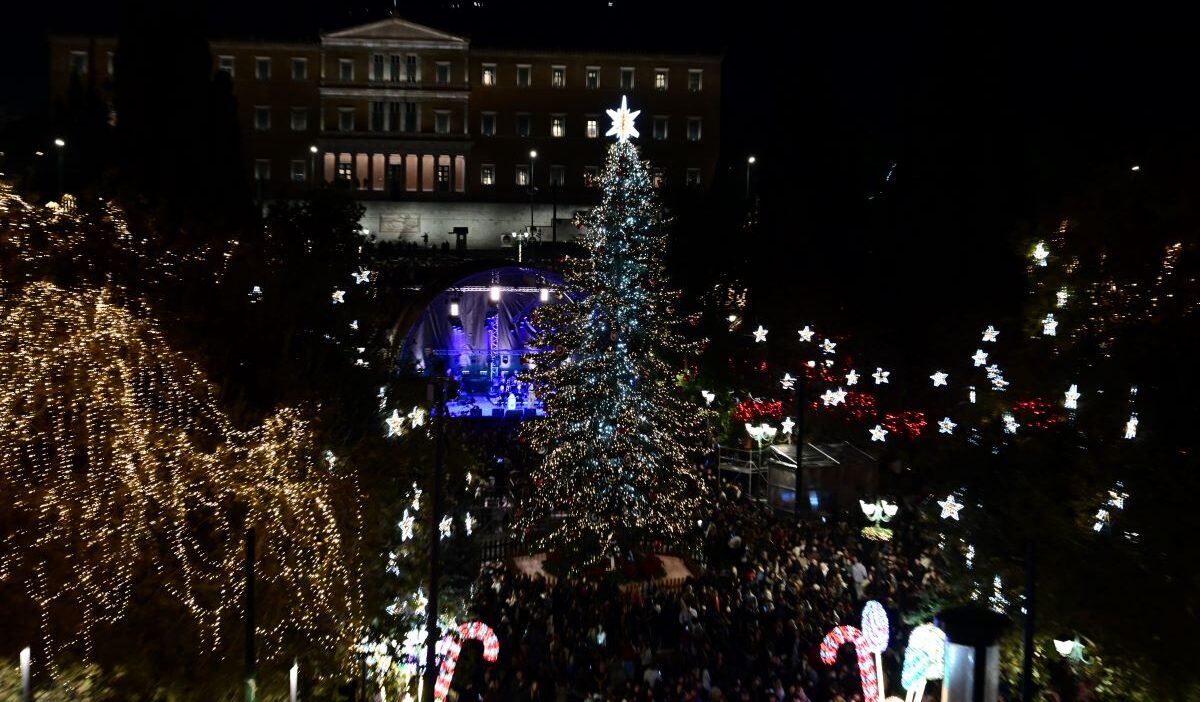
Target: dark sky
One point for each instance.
(991, 116)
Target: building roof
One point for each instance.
(392, 29)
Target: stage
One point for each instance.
(473, 405)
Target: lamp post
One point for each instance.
(26, 692)
(312, 163)
(293, 679)
(60, 146)
(532, 158)
(762, 432)
(749, 162)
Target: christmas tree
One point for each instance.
(618, 476)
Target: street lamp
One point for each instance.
(532, 158)
(749, 162)
(762, 433)
(879, 513)
(61, 146)
(312, 163)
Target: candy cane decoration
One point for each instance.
(866, 663)
(449, 650)
(923, 660)
(876, 632)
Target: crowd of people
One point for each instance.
(747, 628)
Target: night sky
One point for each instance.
(989, 121)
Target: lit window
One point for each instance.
(487, 174)
(523, 125)
(345, 119)
(656, 177)
(111, 72)
(558, 126)
(693, 129)
(299, 172)
(523, 175)
(442, 177)
(299, 69)
(225, 63)
(558, 76)
(345, 170)
(262, 169)
(523, 72)
(262, 118)
(660, 79)
(695, 80)
(592, 77)
(557, 176)
(410, 67)
(660, 127)
(489, 74)
(262, 68)
(299, 119)
(487, 124)
(626, 79)
(441, 122)
(590, 175)
(79, 63)
(693, 176)
(443, 73)
(346, 69)
(593, 128)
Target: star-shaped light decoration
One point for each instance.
(1010, 424)
(1050, 325)
(980, 358)
(708, 396)
(760, 334)
(468, 523)
(622, 126)
(852, 377)
(881, 376)
(806, 334)
(1060, 297)
(990, 333)
(339, 296)
(788, 381)
(362, 276)
(839, 396)
(422, 601)
(406, 526)
(1131, 427)
(939, 378)
(787, 425)
(828, 345)
(395, 424)
(445, 526)
(1041, 253)
(946, 426)
(1072, 397)
(827, 397)
(416, 505)
(878, 433)
(950, 508)
(417, 417)
(330, 459)
(354, 325)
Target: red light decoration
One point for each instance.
(907, 424)
(753, 410)
(1036, 413)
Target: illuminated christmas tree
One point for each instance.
(617, 434)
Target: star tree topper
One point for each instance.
(622, 126)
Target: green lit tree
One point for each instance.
(618, 475)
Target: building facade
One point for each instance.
(434, 133)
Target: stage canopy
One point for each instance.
(481, 328)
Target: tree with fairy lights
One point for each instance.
(618, 474)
